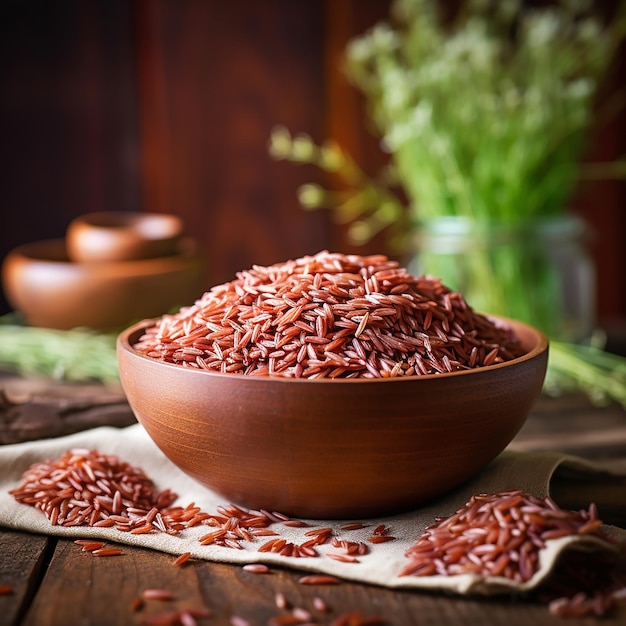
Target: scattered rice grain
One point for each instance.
(256, 568)
(107, 552)
(183, 558)
(318, 579)
(157, 594)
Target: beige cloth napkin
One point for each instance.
(533, 473)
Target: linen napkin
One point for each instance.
(533, 473)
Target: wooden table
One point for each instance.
(55, 584)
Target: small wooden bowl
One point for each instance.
(111, 236)
(332, 448)
(50, 291)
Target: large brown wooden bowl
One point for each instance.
(51, 291)
(332, 448)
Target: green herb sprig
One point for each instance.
(484, 118)
(73, 355)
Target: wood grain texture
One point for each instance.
(79, 588)
(346, 114)
(22, 565)
(39, 408)
(215, 78)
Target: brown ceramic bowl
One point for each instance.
(332, 448)
(122, 236)
(50, 291)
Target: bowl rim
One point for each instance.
(118, 223)
(124, 344)
(38, 252)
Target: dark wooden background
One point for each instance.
(167, 106)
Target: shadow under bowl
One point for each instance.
(51, 291)
(332, 448)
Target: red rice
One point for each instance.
(84, 488)
(499, 534)
(353, 526)
(318, 579)
(329, 316)
(183, 558)
(502, 535)
(280, 600)
(89, 545)
(343, 558)
(80, 487)
(319, 604)
(157, 594)
(107, 552)
(256, 568)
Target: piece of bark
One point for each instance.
(38, 409)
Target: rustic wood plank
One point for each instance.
(231, 591)
(572, 424)
(22, 561)
(38, 408)
(81, 588)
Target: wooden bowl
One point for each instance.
(111, 236)
(50, 291)
(341, 449)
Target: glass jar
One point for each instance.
(536, 271)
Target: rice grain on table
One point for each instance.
(182, 559)
(280, 600)
(329, 316)
(157, 594)
(319, 579)
(497, 534)
(319, 604)
(107, 552)
(256, 568)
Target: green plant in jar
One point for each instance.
(484, 118)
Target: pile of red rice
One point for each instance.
(330, 316)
